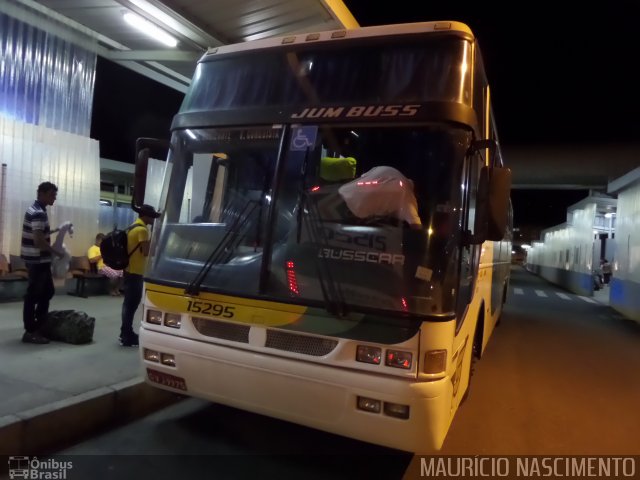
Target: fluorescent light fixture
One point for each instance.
(157, 14)
(149, 29)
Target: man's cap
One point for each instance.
(148, 211)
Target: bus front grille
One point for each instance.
(276, 339)
(305, 344)
(227, 331)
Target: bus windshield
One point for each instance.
(350, 218)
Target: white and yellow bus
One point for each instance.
(334, 246)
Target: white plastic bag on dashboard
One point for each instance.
(382, 191)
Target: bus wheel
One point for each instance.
(476, 351)
(504, 300)
(471, 369)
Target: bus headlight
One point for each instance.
(367, 354)
(398, 359)
(173, 320)
(396, 410)
(168, 359)
(154, 316)
(151, 355)
(369, 404)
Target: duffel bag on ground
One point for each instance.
(70, 326)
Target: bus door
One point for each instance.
(469, 254)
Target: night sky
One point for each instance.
(127, 106)
(557, 78)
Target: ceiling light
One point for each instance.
(149, 29)
(157, 14)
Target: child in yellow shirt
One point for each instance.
(96, 257)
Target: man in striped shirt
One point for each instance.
(36, 251)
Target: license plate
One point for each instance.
(167, 380)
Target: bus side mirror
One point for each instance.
(140, 179)
(492, 206)
(143, 148)
(498, 202)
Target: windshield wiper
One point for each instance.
(331, 290)
(302, 195)
(228, 243)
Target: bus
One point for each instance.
(335, 237)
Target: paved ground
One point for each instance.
(602, 295)
(40, 381)
(56, 393)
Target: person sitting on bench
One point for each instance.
(95, 257)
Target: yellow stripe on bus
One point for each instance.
(224, 307)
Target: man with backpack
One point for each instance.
(138, 246)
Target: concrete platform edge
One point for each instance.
(42, 429)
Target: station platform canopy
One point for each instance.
(189, 28)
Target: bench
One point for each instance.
(13, 278)
(84, 279)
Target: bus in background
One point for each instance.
(335, 240)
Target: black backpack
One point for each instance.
(115, 250)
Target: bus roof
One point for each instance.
(336, 35)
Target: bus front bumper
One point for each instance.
(311, 394)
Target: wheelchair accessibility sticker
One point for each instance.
(303, 138)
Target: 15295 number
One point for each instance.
(207, 308)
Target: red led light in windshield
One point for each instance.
(291, 278)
